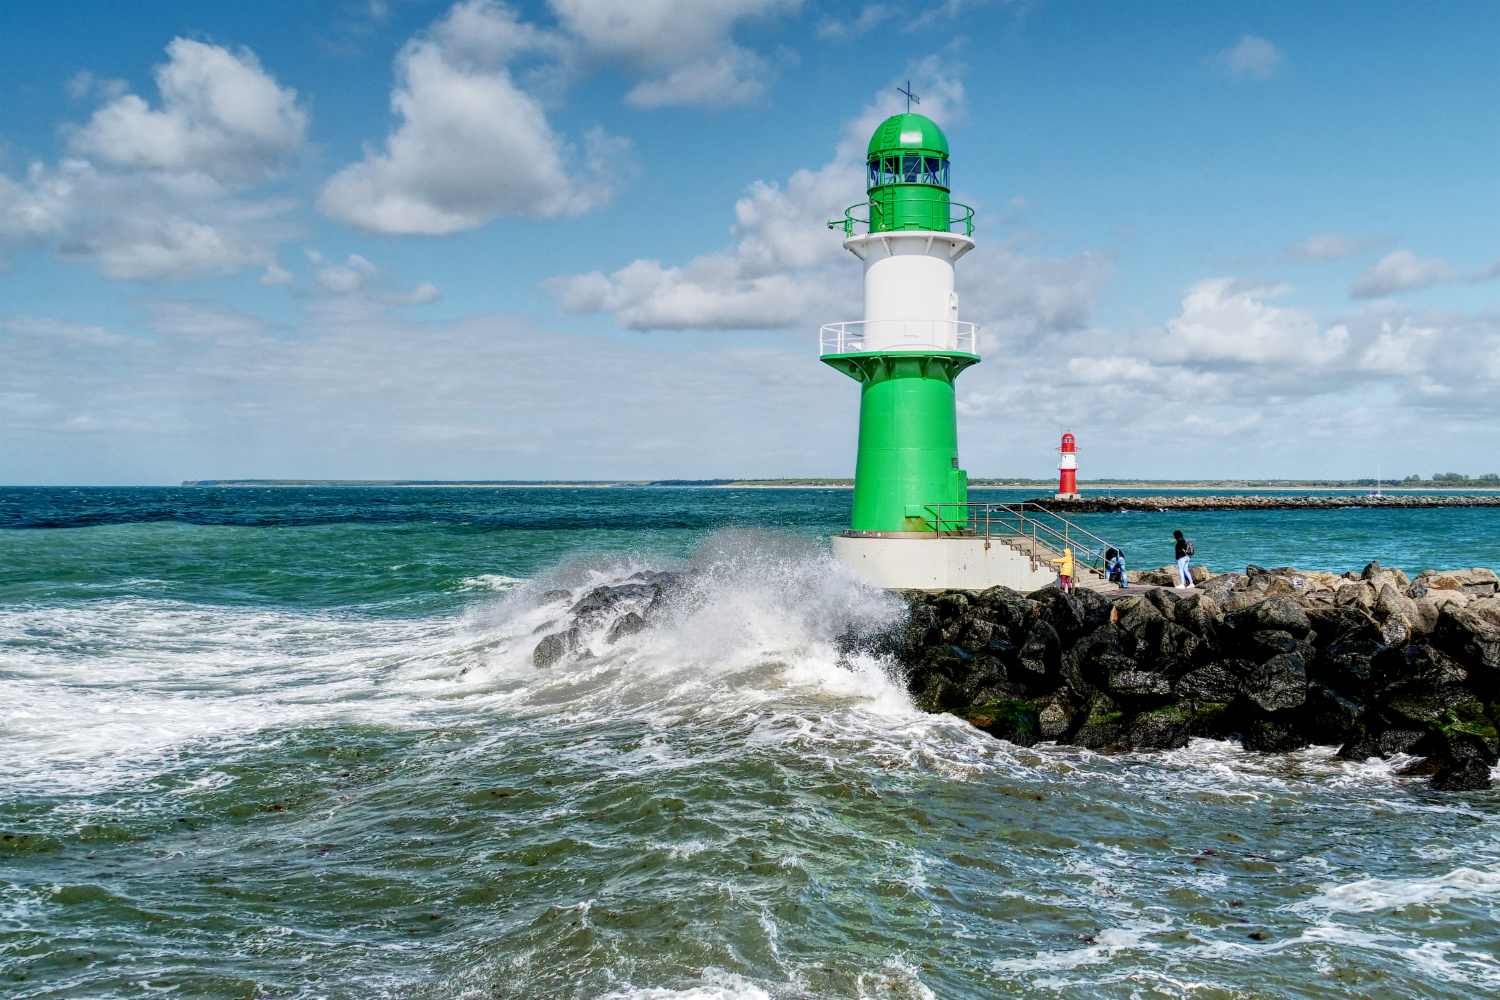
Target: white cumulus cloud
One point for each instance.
(786, 269)
(221, 115)
(473, 145)
(155, 194)
(777, 273)
(679, 52)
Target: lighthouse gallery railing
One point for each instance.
(898, 335)
(959, 214)
(1042, 532)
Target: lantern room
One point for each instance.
(907, 168)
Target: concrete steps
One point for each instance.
(1041, 555)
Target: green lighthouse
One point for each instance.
(910, 347)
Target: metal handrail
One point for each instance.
(899, 335)
(849, 221)
(1013, 520)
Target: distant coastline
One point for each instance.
(1422, 486)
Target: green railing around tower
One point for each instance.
(958, 215)
(1045, 532)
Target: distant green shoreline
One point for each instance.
(1043, 484)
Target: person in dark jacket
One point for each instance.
(1184, 561)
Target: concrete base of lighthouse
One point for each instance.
(940, 563)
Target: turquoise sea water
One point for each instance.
(290, 743)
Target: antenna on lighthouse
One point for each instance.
(910, 97)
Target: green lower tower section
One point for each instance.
(908, 440)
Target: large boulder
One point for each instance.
(1392, 604)
(1327, 718)
(1468, 775)
(1487, 608)
(554, 647)
(1361, 595)
(1062, 611)
(1166, 576)
(1221, 589)
(1098, 610)
(1475, 643)
(1199, 614)
(1011, 611)
(1262, 644)
(1260, 586)
(1014, 720)
(1086, 666)
(1344, 664)
(1370, 738)
(627, 624)
(1164, 601)
(1134, 684)
(1132, 613)
(975, 633)
(1277, 613)
(1213, 682)
(1165, 728)
(1158, 644)
(1335, 623)
(1277, 684)
(1272, 736)
(1473, 581)
(1041, 654)
(1414, 686)
(601, 601)
(1103, 722)
(1057, 715)
(1380, 576)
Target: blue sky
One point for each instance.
(573, 239)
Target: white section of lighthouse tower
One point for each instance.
(910, 303)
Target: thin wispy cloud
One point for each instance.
(1335, 246)
(1253, 58)
(1403, 271)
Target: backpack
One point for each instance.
(1188, 546)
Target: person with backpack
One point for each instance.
(1184, 561)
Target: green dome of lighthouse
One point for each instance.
(907, 181)
(908, 133)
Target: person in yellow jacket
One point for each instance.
(1065, 569)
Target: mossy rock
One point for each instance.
(1013, 720)
(1103, 726)
(1472, 719)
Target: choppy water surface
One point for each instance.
(295, 747)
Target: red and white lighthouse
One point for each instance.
(1067, 480)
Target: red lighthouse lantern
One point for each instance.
(1067, 480)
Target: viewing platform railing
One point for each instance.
(958, 215)
(1043, 532)
(898, 335)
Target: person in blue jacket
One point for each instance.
(1114, 567)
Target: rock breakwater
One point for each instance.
(1118, 505)
(1371, 661)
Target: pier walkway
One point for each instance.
(1119, 505)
